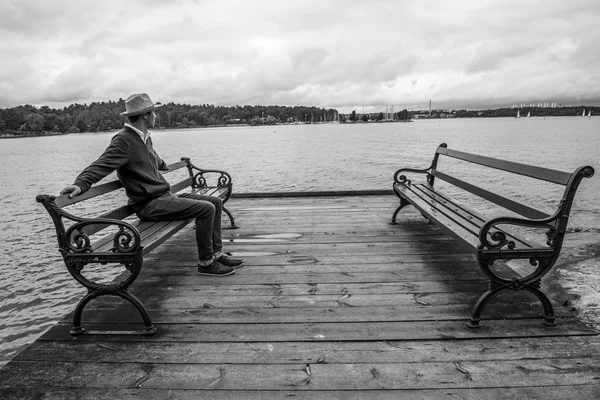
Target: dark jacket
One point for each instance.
(137, 166)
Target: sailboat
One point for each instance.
(583, 115)
(518, 114)
(590, 115)
(528, 114)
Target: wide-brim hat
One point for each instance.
(139, 103)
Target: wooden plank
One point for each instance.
(412, 269)
(232, 289)
(336, 238)
(183, 256)
(296, 274)
(432, 375)
(349, 310)
(319, 301)
(381, 352)
(585, 391)
(442, 245)
(309, 274)
(317, 218)
(546, 174)
(373, 203)
(323, 193)
(209, 313)
(319, 332)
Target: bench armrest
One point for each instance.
(199, 178)
(499, 239)
(399, 176)
(75, 239)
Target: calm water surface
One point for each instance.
(37, 290)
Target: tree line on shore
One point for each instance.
(105, 116)
(562, 111)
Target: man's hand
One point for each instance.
(72, 190)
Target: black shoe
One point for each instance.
(215, 269)
(230, 262)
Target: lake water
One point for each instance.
(36, 290)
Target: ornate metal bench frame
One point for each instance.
(77, 249)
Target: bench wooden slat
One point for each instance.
(212, 191)
(146, 229)
(176, 166)
(64, 200)
(511, 205)
(460, 230)
(105, 243)
(150, 232)
(469, 221)
(474, 217)
(160, 236)
(546, 174)
(181, 185)
(125, 211)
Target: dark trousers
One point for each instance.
(206, 210)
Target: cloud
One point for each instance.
(327, 53)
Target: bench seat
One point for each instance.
(154, 233)
(458, 219)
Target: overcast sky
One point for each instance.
(328, 53)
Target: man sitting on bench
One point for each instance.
(131, 154)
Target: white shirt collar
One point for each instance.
(144, 137)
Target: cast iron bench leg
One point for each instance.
(233, 226)
(549, 319)
(77, 329)
(403, 203)
(133, 263)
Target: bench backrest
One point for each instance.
(122, 211)
(55, 204)
(569, 180)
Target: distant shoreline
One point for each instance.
(12, 135)
(26, 134)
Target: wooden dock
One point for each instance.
(333, 303)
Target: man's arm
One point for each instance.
(115, 156)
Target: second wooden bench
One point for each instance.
(494, 238)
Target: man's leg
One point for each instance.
(217, 241)
(169, 208)
(215, 229)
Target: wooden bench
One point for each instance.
(116, 241)
(495, 238)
